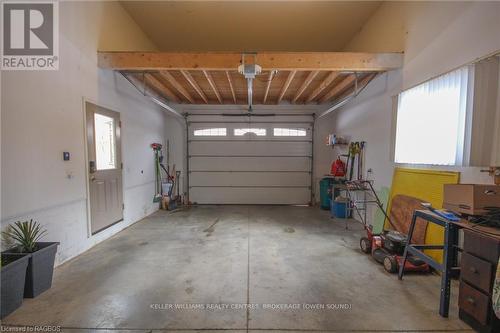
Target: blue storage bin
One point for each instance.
(338, 209)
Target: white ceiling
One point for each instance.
(250, 26)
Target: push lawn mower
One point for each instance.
(387, 247)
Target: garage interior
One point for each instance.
(205, 166)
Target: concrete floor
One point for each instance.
(236, 255)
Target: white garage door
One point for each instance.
(267, 160)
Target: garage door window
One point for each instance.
(289, 132)
(250, 131)
(210, 132)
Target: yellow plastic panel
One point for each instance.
(426, 185)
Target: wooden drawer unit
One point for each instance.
(481, 245)
(474, 302)
(477, 276)
(477, 272)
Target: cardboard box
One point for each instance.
(470, 199)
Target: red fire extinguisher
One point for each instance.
(338, 168)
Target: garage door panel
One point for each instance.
(261, 166)
(254, 196)
(250, 179)
(250, 163)
(252, 148)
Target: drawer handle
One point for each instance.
(470, 300)
(490, 192)
(473, 270)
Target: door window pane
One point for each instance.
(289, 132)
(256, 131)
(105, 145)
(210, 132)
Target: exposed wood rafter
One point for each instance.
(268, 85)
(195, 85)
(212, 85)
(155, 96)
(325, 83)
(304, 85)
(327, 61)
(161, 88)
(167, 76)
(231, 86)
(337, 89)
(285, 86)
(184, 80)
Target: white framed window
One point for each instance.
(255, 131)
(290, 132)
(210, 132)
(105, 145)
(431, 121)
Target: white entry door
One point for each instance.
(264, 160)
(105, 167)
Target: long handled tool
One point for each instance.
(157, 152)
(360, 159)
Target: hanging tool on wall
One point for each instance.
(353, 151)
(360, 159)
(157, 153)
(177, 178)
(355, 156)
(163, 185)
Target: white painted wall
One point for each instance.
(42, 116)
(436, 38)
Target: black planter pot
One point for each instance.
(40, 268)
(12, 285)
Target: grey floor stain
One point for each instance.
(289, 230)
(211, 229)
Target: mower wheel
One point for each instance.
(365, 245)
(390, 264)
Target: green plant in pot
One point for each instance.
(26, 236)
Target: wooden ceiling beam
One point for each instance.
(285, 86)
(169, 77)
(322, 86)
(212, 85)
(308, 61)
(231, 86)
(195, 85)
(338, 88)
(161, 88)
(304, 85)
(268, 86)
